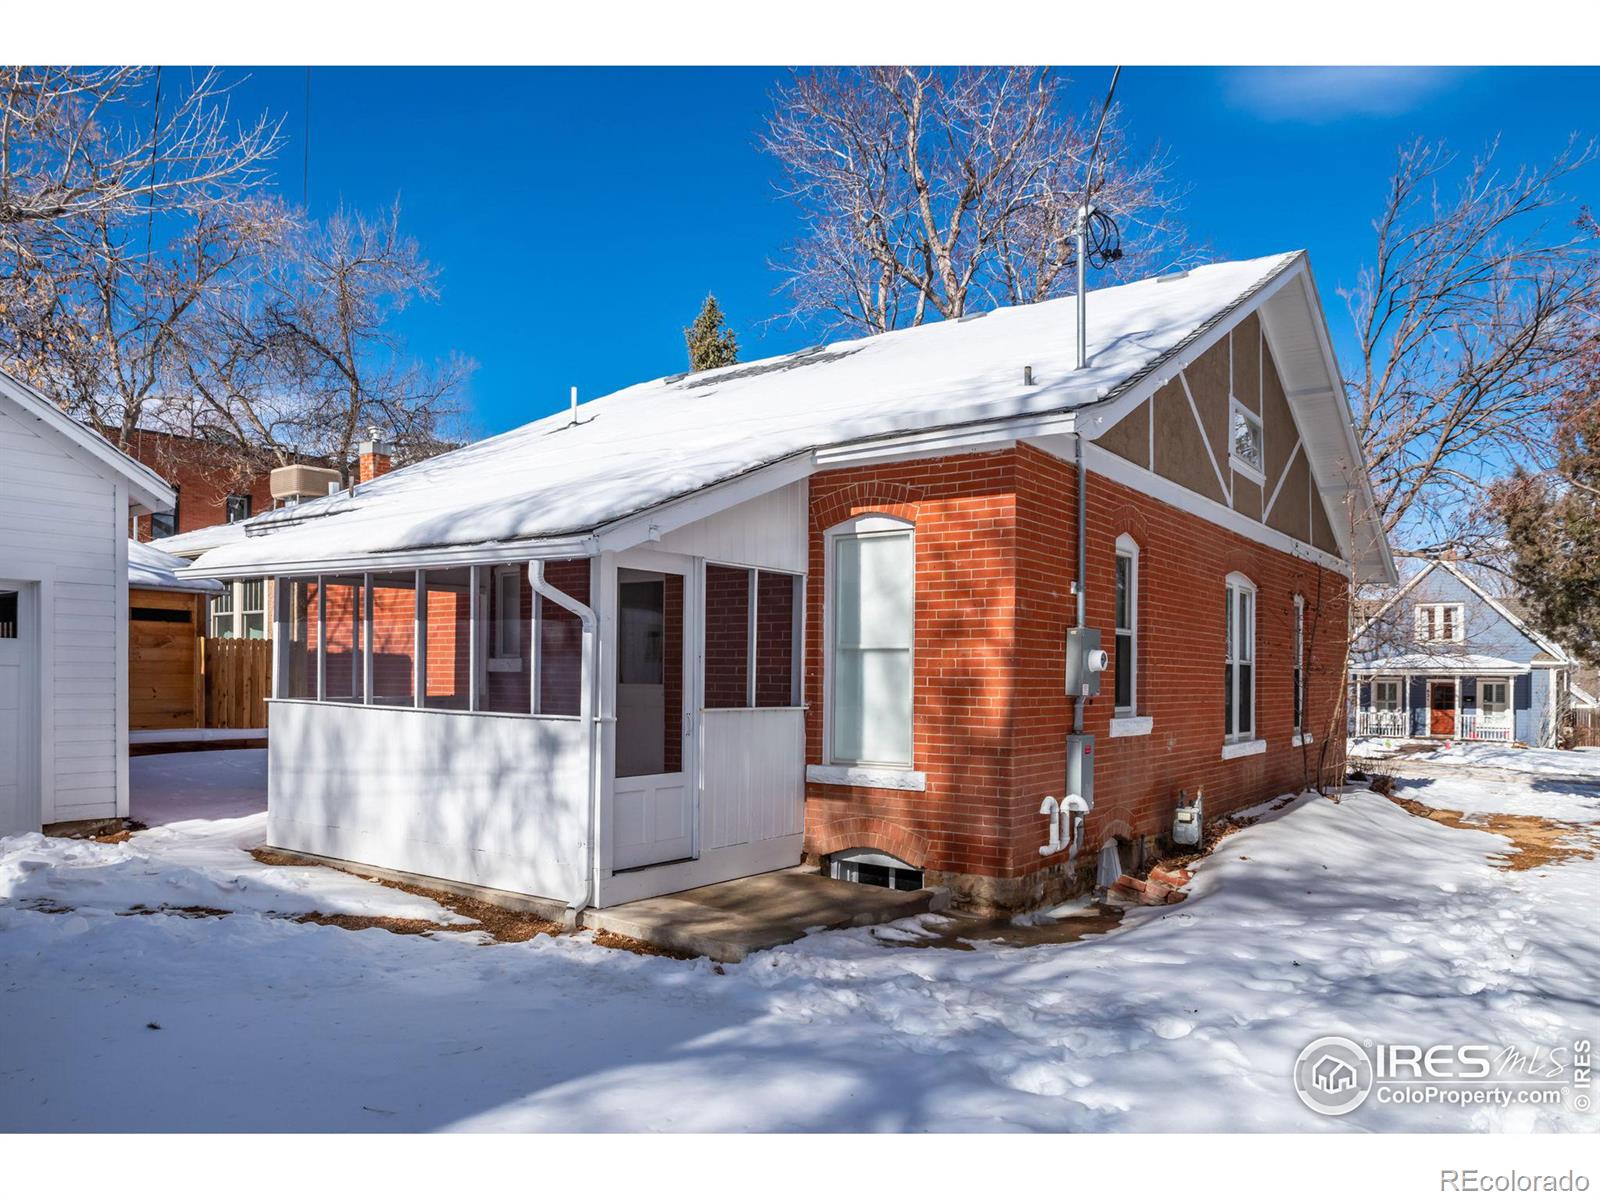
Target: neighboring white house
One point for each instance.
(65, 499)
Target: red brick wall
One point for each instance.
(727, 648)
(775, 649)
(203, 487)
(995, 560)
(561, 645)
(963, 509)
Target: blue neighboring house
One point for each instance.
(1442, 658)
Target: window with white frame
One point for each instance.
(222, 612)
(1440, 623)
(870, 616)
(252, 601)
(1245, 442)
(1239, 683)
(1126, 648)
(1299, 664)
(1386, 695)
(1494, 698)
(505, 631)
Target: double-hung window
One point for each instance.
(1239, 683)
(1440, 623)
(222, 612)
(1126, 648)
(1493, 699)
(872, 581)
(1386, 695)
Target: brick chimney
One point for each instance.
(373, 456)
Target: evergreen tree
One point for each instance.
(711, 343)
(1553, 522)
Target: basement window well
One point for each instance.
(876, 869)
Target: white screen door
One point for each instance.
(653, 795)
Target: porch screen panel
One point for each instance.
(394, 638)
(727, 651)
(873, 578)
(509, 642)
(304, 639)
(561, 639)
(776, 640)
(343, 639)
(448, 658)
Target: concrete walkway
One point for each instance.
(196, 785)
(726, 921)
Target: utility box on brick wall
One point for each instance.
(1080, 766)
(1085, 661)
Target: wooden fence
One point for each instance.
(238, 678)
(1586, 727)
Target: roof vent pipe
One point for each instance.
(573, 419)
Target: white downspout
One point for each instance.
(588, 715)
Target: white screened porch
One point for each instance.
(590, 731)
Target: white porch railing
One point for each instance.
(1475, 727)
(1380, 723)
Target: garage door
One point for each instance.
(17, 809)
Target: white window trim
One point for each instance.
(1129, 549)
(865, 523)
(868, 777)
(1508, 712)
(1301, 739)
(1237, 584)
(1131, 726)
(1252, 472)
(1399, 693)
(1244, 749)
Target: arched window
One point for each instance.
(1239, 682)
(870, 615)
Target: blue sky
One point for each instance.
(579, 215)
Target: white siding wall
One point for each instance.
(769, 531)
(497, 801)
(754, 773)
(64, 526)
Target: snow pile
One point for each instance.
(1352, 918)
(656, 441)
(149, 567)
(199, 864)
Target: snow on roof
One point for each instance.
(152, 568)
(658, 441)
(197, 541)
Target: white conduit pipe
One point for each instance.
(588, 716)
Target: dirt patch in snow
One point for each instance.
(1535, 841)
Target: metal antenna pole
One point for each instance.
(1085, 211)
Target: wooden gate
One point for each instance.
(1586, 727)
(238, 678)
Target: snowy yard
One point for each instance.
(1355, 917)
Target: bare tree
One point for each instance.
(1465, 322)
(305, 360)
(107, 338)
(924, 191)
(76, 142)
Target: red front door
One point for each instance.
(1442, 709)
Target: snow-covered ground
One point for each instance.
(1575, 764)
(1354, 918)
(166, 788)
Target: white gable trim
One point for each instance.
(147, 491)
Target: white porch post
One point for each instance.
(419, 642)
(1458, 706)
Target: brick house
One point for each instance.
(818, 607)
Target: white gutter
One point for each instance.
(589, 687)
